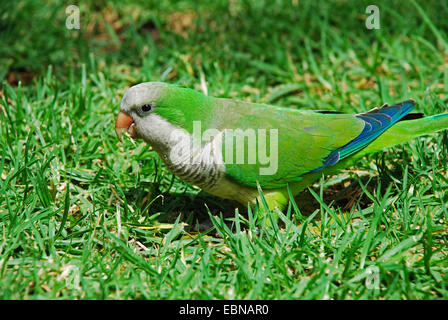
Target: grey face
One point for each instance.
(139, 95)
(138, 119)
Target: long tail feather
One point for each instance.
(404, 131)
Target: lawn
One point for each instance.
(85, 216)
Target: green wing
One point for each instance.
(306, 141)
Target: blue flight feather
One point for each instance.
(376, 122)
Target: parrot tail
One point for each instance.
(406, 129)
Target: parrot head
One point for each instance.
(152, 110)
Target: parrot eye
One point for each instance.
(146, 107)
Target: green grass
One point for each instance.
(83, 216)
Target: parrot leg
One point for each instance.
(279, 198)
(269, 201)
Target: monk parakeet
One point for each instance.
(229, 147)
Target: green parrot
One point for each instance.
(228, 147)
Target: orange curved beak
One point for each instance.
(123, 124)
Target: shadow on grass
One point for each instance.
(192, 207)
